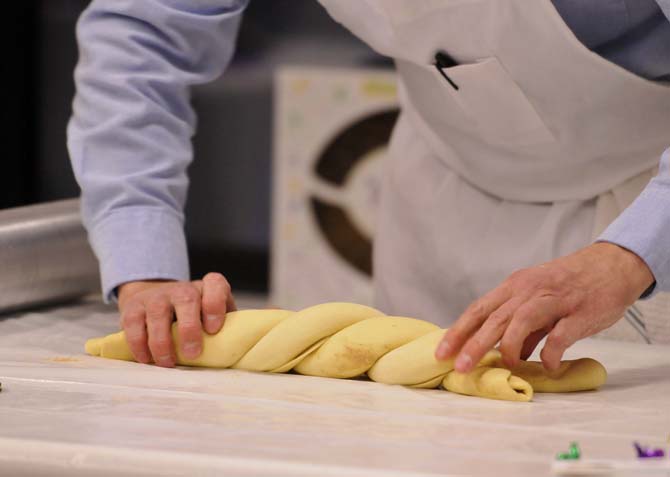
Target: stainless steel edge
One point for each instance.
(44, 256)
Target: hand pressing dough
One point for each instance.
(344, 340)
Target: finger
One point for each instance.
(566, 332)
(215, 299)
(470, 321)
(534, 315)
(531, 343)
(186, 298)
(486, 337)
(134, 326)
(159, 320)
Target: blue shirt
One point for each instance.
(130, 133)
(635, 34)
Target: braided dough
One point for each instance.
(345, 340)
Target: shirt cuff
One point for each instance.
(139, 244)
(644, 229)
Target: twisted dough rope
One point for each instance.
(344, 340)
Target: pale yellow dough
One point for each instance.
(486, 381)
(345, 340)
(576, 375)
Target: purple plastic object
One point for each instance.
(647, 453)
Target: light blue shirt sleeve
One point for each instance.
(644, 227)
(130, 133)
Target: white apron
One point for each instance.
(542, 145)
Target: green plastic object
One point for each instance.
(573, 454)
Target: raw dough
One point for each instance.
(344, 340)
(575, 375)
(485, 381)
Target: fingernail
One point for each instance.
(463, 363)
(166, 359)
(443, 350)
(211, 318)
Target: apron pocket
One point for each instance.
(488, 103)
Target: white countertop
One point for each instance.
(65, 413)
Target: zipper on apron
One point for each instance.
(443, 60)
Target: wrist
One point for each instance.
(632, 268)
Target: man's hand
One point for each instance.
(148, 307)
(567, 299)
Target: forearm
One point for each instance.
(130, 133)
(644, 227)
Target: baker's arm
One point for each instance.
(130, 144)
(130, 133)
(644, 227)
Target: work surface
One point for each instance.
(64, 413)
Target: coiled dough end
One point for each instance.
(488, 382)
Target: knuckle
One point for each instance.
(157, 309)
(477, 308)
(499, 319)
(453, 336)
(136, 337)
(213, 304)
(523, 315)
(557, 340)
(214, 277)
(507, 286)
(185, 294)
(518, 275)
(475, 348)
(212, 307)
(219, 282)
(136, 341)
(189, 328)
(525, 279)
(160, 343)
(131, 318)
(560, 275)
